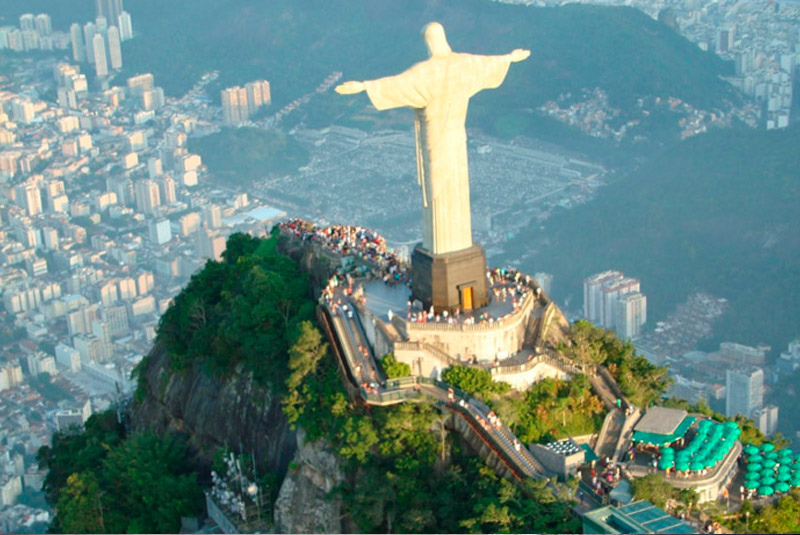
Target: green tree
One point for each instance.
(653, 488)
(79, 506)
(305, 354)
(394, 369)
(474, 381)
(102, 481)
(642, 382)
(150, 485)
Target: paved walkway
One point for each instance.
(374, 389)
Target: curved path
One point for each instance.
(372, 388)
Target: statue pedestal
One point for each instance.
(449, 281)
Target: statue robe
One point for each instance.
(439, 90)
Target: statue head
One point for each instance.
(433, 33)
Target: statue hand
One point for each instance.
(350, 88)
(519, 54)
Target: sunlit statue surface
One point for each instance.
(439, 89)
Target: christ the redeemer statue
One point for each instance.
(439, 89)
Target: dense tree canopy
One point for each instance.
(394, 369)
(102, 481)
(552, 408)
(247, 309)
(643, 383)
(474, 381)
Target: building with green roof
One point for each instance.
(635, 517)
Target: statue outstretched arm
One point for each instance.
(350, 88)
(519, 54)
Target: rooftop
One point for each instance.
(661, 420)
(636, 517)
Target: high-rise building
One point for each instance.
(631, 314)
(30, 40)
(234, 105)
(99, 50)
(154, 168)
(125, 26)
(744, 390)
(212, 216)
(88, 40)
(610, 293)
(160, 232)
(110, 9)
(44, 26)
(147, 196)
(166, 187)
(27, 22)
(766, 419)
(258, 95)
(22, 110)
(725, 38)
(15, 40)
(592, 294)
(117, 319)
(139, 84)
(101, 25)
(29, 197)
(114, 48)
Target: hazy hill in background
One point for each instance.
(718, 212)
(297, 44)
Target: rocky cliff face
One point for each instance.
(234, 412)
(213, 411)
(304, 504)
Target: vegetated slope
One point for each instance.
(245, 323)
(718, 212)
(296, 44)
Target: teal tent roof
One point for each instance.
(657, 439)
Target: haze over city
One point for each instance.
(246, 288)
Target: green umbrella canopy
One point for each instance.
(767, 472)
(751, 450)
(773, 455)
(682, 466)
(784, 469)
(697, 465)
(730, 424)
(784, 477)
(755, 459)
(704, 424)
(782, 486)
(785, 452)
(752, 476)
(666, 463)
(754, 467)
(752, 484)
(795, 482)
(767, 446)
(667, 451)
(710, 462)
(769, 463)
(768, 480)
(796, 466)
(766, 490)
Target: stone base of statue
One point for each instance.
(450, 281)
